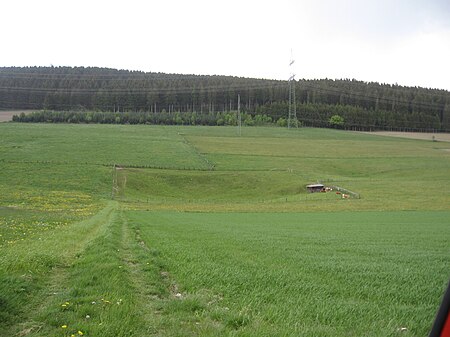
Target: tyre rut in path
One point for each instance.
(143, 275)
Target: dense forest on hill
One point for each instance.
(121, 96)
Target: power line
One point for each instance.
(292, 116)
(214, 89)
(181, 89)
(196, 89)
(372, 98)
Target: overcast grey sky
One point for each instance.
(389, 41)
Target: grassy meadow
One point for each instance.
(120, 230)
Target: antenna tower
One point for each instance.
(292, 120)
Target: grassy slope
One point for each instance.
(66, 170)
(55, 176)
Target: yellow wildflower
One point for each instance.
(80, 333)
(64, 326)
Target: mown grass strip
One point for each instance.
(112, 287)
(30, 268)
(96, 298)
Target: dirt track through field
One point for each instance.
(441, 137)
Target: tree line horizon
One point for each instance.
(103, 95)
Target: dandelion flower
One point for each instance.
(80, 333)
(64, 326)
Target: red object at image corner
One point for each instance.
(446, 330)
(441, 326)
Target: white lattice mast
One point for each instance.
(292, 119)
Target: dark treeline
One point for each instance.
(145, 117)
(160, 98)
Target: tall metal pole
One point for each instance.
(290, 104)
(292, 119)
(239, 115)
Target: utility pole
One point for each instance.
(239, 115)
(292, 119)
(114, 181)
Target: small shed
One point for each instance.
(315, 188)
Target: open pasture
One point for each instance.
(266, 170)
(139, 145)
(214, 234)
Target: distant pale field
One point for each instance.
(441, 137)
(6, 116)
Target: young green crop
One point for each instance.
(301, 274)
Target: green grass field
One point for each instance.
(119, 230)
